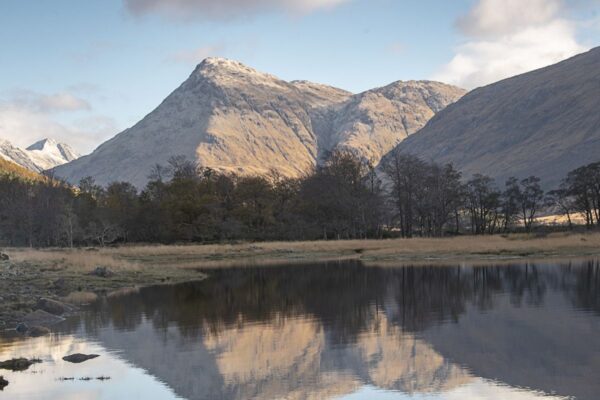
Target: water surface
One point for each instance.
(333, 331)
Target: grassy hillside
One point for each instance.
(11, 169)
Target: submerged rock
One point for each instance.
(37, 331)
(3, 383)
(18, 364)
(79, 358)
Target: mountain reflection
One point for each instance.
(324, 331)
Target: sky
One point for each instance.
(83, 71)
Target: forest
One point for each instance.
(344, 198)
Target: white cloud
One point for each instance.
(509, 37)
(26, 117)
(44, 103)
(223, 9)
(500, 17)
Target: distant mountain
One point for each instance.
(232, 118)
(544, 123)
(40, 156)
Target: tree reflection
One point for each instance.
(342, 295)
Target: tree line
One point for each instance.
(344, 198)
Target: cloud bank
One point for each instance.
(223, 9)
(509, 37)
(27, 116)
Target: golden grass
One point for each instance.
(74, 259)
(137, 257)
(79, 298)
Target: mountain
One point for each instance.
(233, 118)
(373, 122)
(40, 156)
(542, 123)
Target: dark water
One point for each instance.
(334, 331)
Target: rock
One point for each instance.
(3, 383)
(37, 331)
(18, 364)
(79, 358)
(102, 272)
(4, 257)
(59, 284)
(41, 318)
(22, 328)
(53, 306)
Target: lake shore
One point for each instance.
(79, 276)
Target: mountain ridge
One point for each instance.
(544, 122)
(235, 119)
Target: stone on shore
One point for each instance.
(41, 318)
(53, 307)
(102, 272)
(22, 328)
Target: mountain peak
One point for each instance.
(230, 72)
(55, 149)
(42, 155)
(43, 143)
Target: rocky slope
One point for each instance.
(544, 123)
(232, 118)
(40, 156)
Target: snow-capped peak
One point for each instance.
(54, 149)
(42, 144)
(42, 155)
(229, 72)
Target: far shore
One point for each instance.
(67, 275)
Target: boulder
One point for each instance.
(3, 383)
(4, 257)
(22, 328)
(41, 318)
(79, 358)
(52, 306)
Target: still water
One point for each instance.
(333, 331)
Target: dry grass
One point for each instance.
(135, 258)
(74, 259)
(468, 247)
(79, 298)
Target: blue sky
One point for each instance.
(82, 71)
